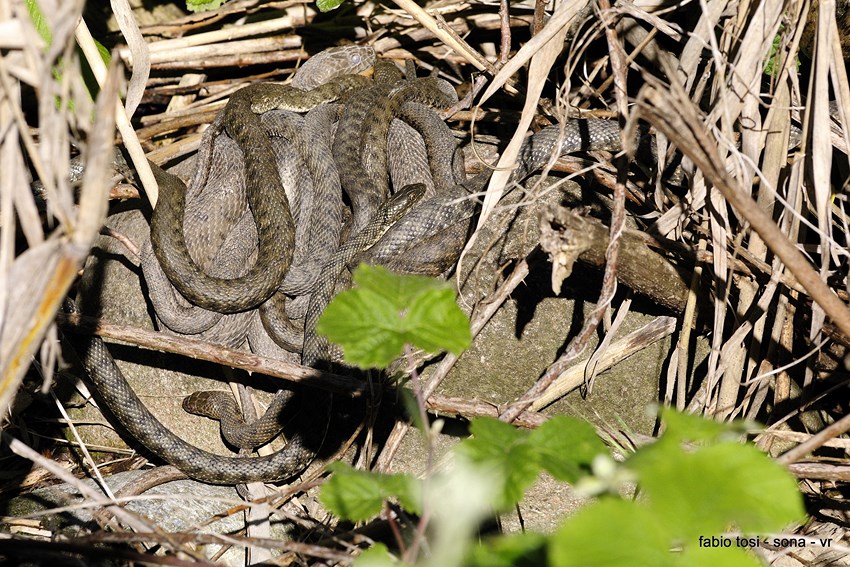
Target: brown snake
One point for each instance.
(445, 213)
(266, 199)
(197, 463)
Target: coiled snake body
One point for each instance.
(266, 198)
(406, 221)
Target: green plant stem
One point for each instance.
(416, 384)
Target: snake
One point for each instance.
(117, 395)
(269, 206)
(218, 221)
(265, 194)
(448, 168)
(421, 220)
(220, 231)
(362, 131)
(429, 239)
(315, 351)
(438, 242)
(221, 405)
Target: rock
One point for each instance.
(179, 506)
(512, 351)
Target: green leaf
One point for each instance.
(385, 311)
(358, 495)
(435, 322)
(203, 5)
(400, 290)
(731, 482)
(411, 406)
(104, 52)
(365, 325)
(771, 66)
(41, 25)
(772, 63)
(376, 556)
(352, 494)
(405, 488)
(489, 439)
(688, 427)
(327, 5)
(518, 550)
(612, 533)
(566, 447)
(502, 449)
(39, 22)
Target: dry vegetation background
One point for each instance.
(761, 228)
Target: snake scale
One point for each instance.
(411, 232)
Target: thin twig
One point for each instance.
(439, 28)
(539, 16)
(505, 29)
(817, 440)
(490, 306)
(609, 281)
(213, 353)
(672, 112)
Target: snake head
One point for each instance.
(332, 63)
(402, 201)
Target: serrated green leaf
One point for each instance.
(505, 451)
(434, 322)
(404, 488)
(358, 495)
(352, 494)
(712, 488)
(374, 321)
(566, 447)
(203, 5)
(359, 310)
(328, 5)
(489, 438)
(612, 533)
(400, 290)
(519, 550)
(365, 325)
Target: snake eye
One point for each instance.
(356, 59)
